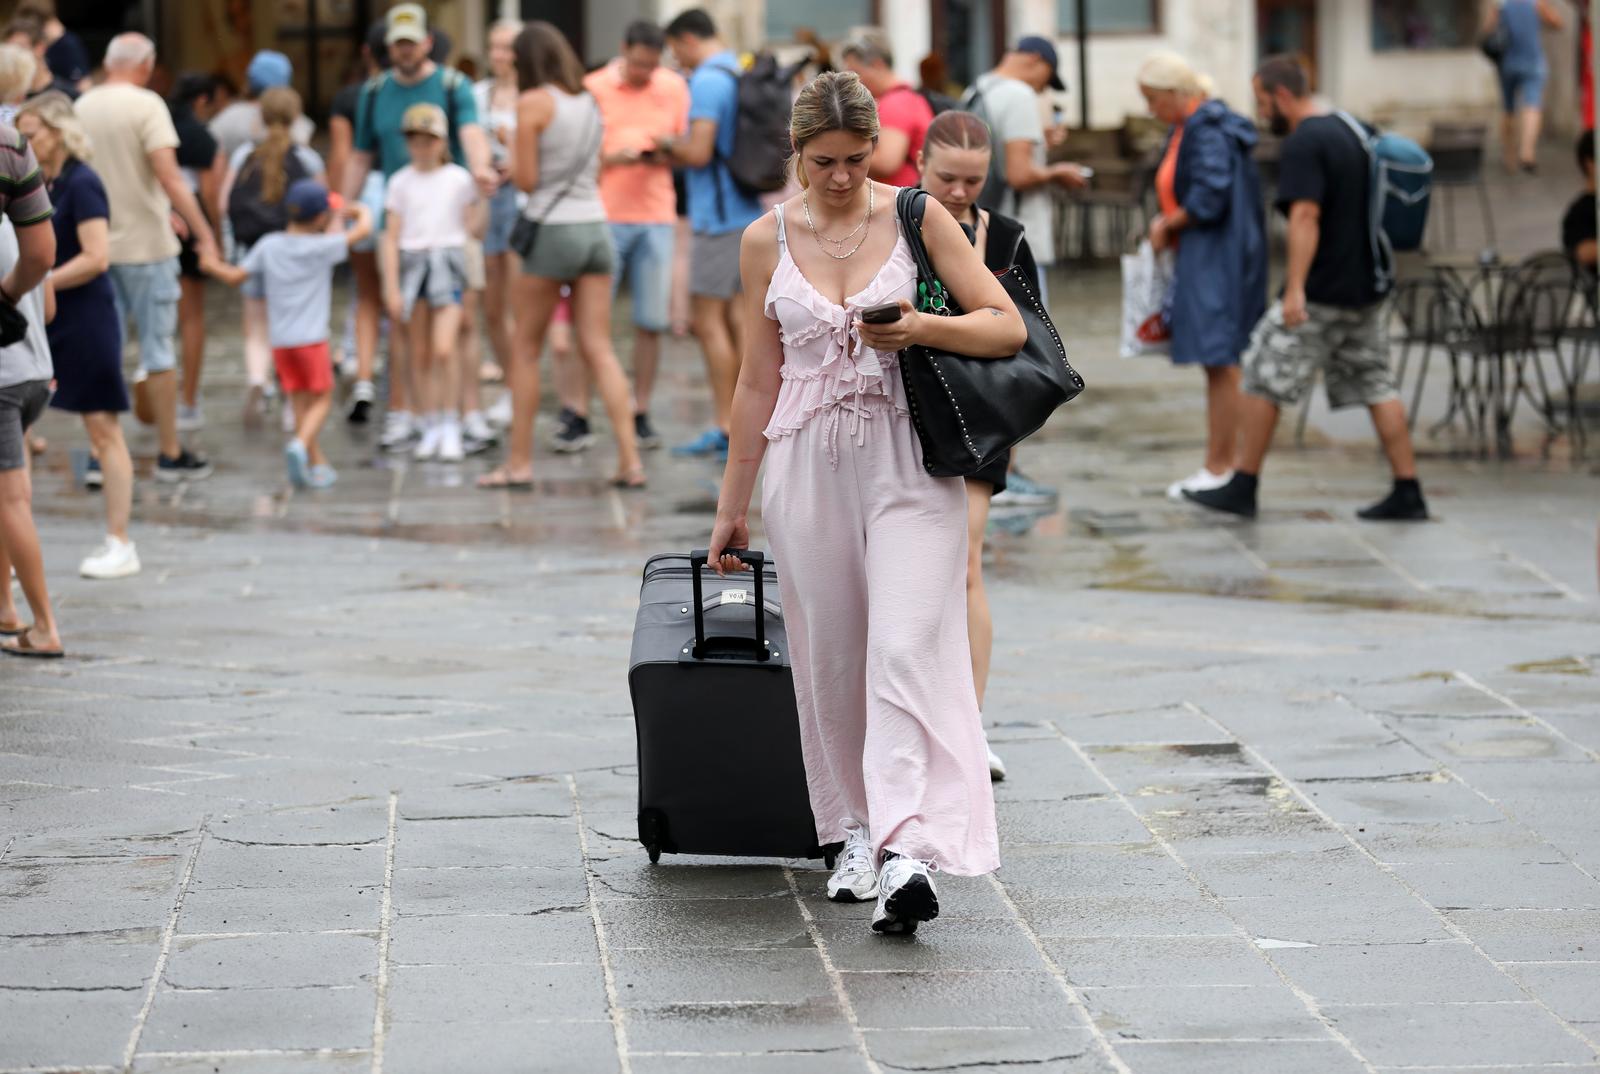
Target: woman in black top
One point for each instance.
(954, 162)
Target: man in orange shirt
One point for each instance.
(642, 103)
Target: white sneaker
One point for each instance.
(905, 897)
(1202, 480)
(450, 449)
(191, 419)
(854, 879)
(997, 767)
(499, 415)
(428, 447)
(115, 559)
(475, 426)
(397, 430)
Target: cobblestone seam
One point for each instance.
(385, 918)
(847, 1008)
(1489, 691)
(619, 1027)
(165, 950)
(1073, 998)
(1306, 999)
(1444, 919)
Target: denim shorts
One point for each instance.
(502, 218)
(643, 253)
(20, 406)
(437, 276)
(1522, 88)
(148, 292)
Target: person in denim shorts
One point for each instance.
(1331, 314)
(27, 250)
(135, 148)
(642, 103)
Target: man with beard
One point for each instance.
(1331, 312)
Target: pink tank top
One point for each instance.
(826, 367)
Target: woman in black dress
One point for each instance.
(954, 163)
(84, 338)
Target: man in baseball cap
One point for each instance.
(406, 22)
(1043, 54)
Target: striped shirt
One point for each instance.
(23, 197)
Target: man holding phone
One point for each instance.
(641, 103)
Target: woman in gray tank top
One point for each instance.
(556, 161)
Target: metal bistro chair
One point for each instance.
(1458, 154)
(1554, 312)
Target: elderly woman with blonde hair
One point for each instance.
(85, 340)
(1212, 216)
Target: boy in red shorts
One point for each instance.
(297, 268)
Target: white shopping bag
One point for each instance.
(1146, 277)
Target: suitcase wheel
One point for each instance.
(655, 854)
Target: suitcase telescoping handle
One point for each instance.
(756, 561)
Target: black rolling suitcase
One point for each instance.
(720, 769)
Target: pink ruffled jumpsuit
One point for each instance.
(872, 562)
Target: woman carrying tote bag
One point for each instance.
(871, 548)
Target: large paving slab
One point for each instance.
(346, 782)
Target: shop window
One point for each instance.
(1424, 24)
(1111, 16)
(831, 19)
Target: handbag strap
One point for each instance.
(590, 145)
(932, 296)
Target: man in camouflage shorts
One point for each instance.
(1331, 314)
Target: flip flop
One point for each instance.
(501, 479)
(11, 630)
(21, 646)
(632, 481)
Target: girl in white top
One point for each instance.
(432, 206)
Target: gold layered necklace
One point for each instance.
(863, 229)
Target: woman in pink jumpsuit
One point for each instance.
(872, 552)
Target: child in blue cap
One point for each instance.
(296, 266)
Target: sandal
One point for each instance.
(631, 480)
(11, 630)
(20, 645)
(501, 478)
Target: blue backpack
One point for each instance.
(1402, 186)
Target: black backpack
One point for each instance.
(939, 102)
(251, 216)
(759, 161)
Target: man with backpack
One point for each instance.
(1331, 312)
(413, 77)
(720, 208)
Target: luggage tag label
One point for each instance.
(735, 596)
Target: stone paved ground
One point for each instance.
(345, 782)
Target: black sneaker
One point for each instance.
(645, 433)
(186, 467)
(573, 435)
(361, 397)
(1237, 497)
(1403, 504)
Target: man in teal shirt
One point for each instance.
(413, 78)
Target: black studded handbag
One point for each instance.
(969, 412)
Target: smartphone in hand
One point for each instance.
(887, 313)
